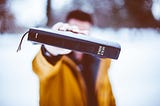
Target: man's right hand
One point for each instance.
(63, 27)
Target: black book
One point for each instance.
(77, 42)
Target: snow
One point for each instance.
(19, 85)
(134, 76)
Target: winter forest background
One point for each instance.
(135, 24)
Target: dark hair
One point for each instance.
(79, 15)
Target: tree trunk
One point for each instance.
(49, 14)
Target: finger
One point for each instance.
(64, 27)
(84, 32)
(57, 26)
(74, 29)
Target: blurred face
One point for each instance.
(82, 25)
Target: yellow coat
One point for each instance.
(63, 85)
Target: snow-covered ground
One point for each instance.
(134, 76)
(18, 84)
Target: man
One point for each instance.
(71, 78)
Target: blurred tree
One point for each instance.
(49, 14)
(103, 12)
(123, 13)
(77, 3)
(141, 14)
(7, 23)
(115, 13)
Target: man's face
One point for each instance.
(82, 25)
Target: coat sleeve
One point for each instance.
(43, 68)
(58, 85)
(103, 86)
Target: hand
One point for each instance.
(71, 28)
(63, 27)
